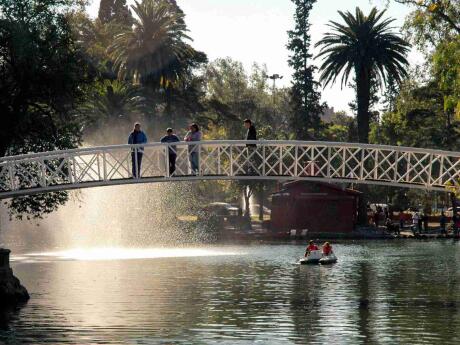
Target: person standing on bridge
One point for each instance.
(251, 134)
(194, 134)
(137, 137)
(170, 137)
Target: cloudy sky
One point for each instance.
(255, 31)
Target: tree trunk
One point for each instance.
(168, 108)
(363, 99)
(261, 204)
(247, 197)
(363, 91)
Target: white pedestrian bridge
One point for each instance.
(230, 160)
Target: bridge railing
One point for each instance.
(282, 160)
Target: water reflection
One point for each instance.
(95, 254)
(378, 293)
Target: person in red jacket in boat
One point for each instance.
(327, 249)
(311, 247)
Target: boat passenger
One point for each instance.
(311, 247)
(327, 249)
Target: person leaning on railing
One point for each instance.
(137, 137)
(193, 134)
(170, 137)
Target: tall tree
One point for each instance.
(114, 10)
(42, 75)
(305, 105)
(367, 46)
(153, 51)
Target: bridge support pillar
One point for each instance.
(11, 290)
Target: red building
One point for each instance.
(318, 207)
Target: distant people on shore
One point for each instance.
(416, 222)
(137, 136)
(425, 222)
(170, 137)
(193, 134)
(401, 221)
(376, 217)
(442, 223)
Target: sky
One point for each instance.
(256, 31)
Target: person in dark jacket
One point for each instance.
(137, 137)
(170, 137)
(425, 222)
(442, 223)
(251, 134)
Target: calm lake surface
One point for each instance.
(393, 292)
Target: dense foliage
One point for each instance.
(42, 73)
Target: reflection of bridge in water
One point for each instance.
(230, 160)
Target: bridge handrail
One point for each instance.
(63, 153)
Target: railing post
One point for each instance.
(218, 160)
(43, 172)
(104, 165)
(296, 163)
(441, 170)
(167, 172)
(136, 164)
(69, 170)
(429, 171)
(74, 170)
(281, 161)
(98, 167)
(409, 167)
(329, 162)
(376, 164)
(11, 172)
(231, 159)
(395, 168)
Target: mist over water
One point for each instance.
(135, 216)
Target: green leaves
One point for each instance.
(42, 78)
(364, 42)
(155, 50)
(305, 98)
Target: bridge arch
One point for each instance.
(230, 160)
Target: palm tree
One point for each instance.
(368, 46)
(152, 52)
(113, 100)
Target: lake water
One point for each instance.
(393, 292)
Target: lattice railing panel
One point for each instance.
(283, 160)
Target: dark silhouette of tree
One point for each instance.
(305, 105)
(42, 74)
(155, 52)
(114, 10)
(367, 46)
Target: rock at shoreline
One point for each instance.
(11, 290)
